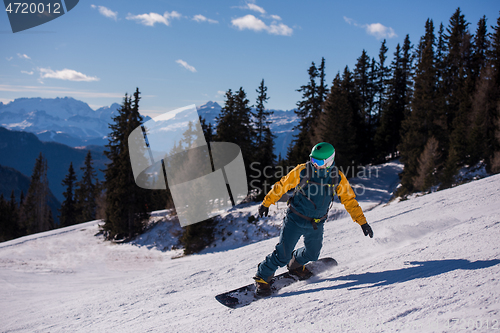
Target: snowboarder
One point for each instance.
(315, 184)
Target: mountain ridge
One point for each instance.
(72, 122)
(19, 150)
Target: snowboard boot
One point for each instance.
(262, 287)
(298, 270)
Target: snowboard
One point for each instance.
(243, 296)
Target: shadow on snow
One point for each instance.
(419, 270)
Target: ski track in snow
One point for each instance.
(432, 266)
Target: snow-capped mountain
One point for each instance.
(282, 126)
(209, 111)
(64, 120)
(73, 123)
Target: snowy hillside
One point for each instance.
(233, 229)
(432, 266)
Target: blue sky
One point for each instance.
(192, 51)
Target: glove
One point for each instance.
(263, 210)
(367, 230)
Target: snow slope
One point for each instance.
(432, 266)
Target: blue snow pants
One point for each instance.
(293, 228)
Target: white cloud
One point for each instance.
(152, 18)
(26, 72)
(106, 12)
(280, 29)
(375, 29)
(186, 65)
(65, 74)
(9, 58)
(255, 8)
(200, 18)
(23, 56)
(250, 22)
(275, 17)
(380, 31)
(350, 21)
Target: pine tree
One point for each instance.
(440, 100)
(265, 158)
(208, 130)
(494, 53)
(49, 218)
(34, 210)
(9, 216)
(372, 79)
(458, 85)
(68, 211)
(227, 117)
(364, 84)
(388, 136)
(381, 84)
(408, 72)
(454, 74)
(114, 174)
(485, 137)
(246, 133)
(261, 115)
(322, 87)
(427, 166)
(476, 118)
(126, 203)
(21, 216)
(493, 153)
(268, 157)
(441, 50)
(4, 220)
(366, 88)
(421, 123)
(234, 125)
(14, 229)
(309, 110)
(195, 237)
(340, 120)
(481, 45)
(86, 191)
(306, 108)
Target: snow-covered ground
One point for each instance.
(432, 266)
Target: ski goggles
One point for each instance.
(326, 162)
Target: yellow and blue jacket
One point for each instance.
(314, 200)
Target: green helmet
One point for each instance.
(322, 154)
(322, 151)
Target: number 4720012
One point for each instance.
(473, 324)
(33, 8)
